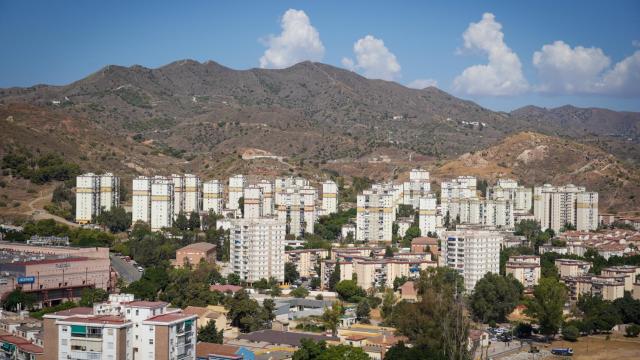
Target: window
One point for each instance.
(150, 341)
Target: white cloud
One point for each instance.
(564, 70)
(373, 59)
(624, 78)
(579, 70)
(422, 83)
(502, 75)
(299, 41)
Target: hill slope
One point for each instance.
(535, 159)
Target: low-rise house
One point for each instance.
(14, 347)
(524, 268)
(408, 292)
(210, 351)
(571, 267)
(194, 253)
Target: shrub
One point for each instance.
(570, 333)
(632, 330)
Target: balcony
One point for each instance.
(85, 355)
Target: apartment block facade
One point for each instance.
(257, 249)
(213, 196)
(375, 215)
(235, 191)
(94, 194)
(417, 187)
(556, 206)
(473, 253)
(329, 197)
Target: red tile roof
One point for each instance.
(23, 344)
(169, 318)
(204, 349)
(199, 246)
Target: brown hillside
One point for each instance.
(534, 158)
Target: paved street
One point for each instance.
(125, 270)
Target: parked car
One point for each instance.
(140, 268)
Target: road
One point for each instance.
(38, 213)
(124, 269)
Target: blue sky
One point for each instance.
(478, 50)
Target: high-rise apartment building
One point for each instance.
(268, 205)
(253, 202)
(473, 253)
(427, 217)
(556, 206)
(95, 193)
(375, 216)
(186, 194)
(236, 188)
(141, 200)
(296, 207)
(417, 187)
(162, 206)
(508, 189)
(213, 196)
(257, 249)
(329, 197)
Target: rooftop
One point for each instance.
(199, 246)
(204, 349)
(147, 304)
(169, 318)
(98, 319)
(283, 337)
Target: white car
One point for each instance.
(140, 269)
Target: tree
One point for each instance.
(437, 322)
(116, 219)
(334, 279)
(233, 279)
(247, 314)
(194, 221)
(209, 333)
(291, 274)
(494, 297)
(628, 308)
(315, 282)
(331, 317)
(241, 205)
(388, 252)
(598, 315)
(181, 222)
(311, 350)
(632, 330)
(402, 352)
(348, 290)
(300, 292)
(363, 311)
(570, 333)
(549, 297)
(18, 300)
(344, 352)
(399, 281)
(388, 300)
(412, 232)
(93, 295)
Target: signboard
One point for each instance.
(26, 279)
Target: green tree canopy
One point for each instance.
(209, 333)
(494, 297)
(549, 297)
(348, 290)
(291, 274)
(116, 220)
